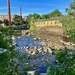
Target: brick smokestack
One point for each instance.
(21, 12)
(9, 14)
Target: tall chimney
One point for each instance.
(21, 12)
(9, 14)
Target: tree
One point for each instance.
(69, 27)
(12, 61)
(71, 9)
(65, 63)
(1, 22)
(68, 22)
(45, 16)
(55, 13)
(36, 16)
(30, 17)
(33, 16)
(5, 21)
(17, 20)
(8, 65)
(66, 57)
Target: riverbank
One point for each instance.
(38, 49)
(48, 39)
(53, 39)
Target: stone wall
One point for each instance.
(50, 29)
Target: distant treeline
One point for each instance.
(55, 13)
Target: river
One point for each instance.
(40, 59)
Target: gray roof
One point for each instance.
(42, 20)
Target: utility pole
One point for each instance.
(9, 14)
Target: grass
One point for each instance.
(32, 27)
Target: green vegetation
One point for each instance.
(1, 22)
(55, 13)
(5, 21)
(69, 27)
(33, 16)
(7, 53)
(32, 27)
(66, 58)
(68, 22)
(17, 20)
(36, 16)
(65, 63)
(19, 23)
(22, 27)
(45, 16)
(11, 59)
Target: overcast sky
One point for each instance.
(34, 6)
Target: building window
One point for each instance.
(55, 22)
(47, 23)
(44, 23)
(41, 23)
(50, 22)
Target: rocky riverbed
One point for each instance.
(39, 49)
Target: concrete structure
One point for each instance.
(5, 17)
(32, 73)
(21, 12)
(9, 13)
(25, 18)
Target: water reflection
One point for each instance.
(23, 41)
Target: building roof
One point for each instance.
(42, 20)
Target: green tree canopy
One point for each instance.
(66, 57)
(1, 22)
(65, 63)
(5, 21)
(45, 16)
(8, 66)
(17, 20)
(12, 60)
(30, 17)
(71, 9)
(68, 22)
(33, 16)
(36, 16)
(55, 13)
